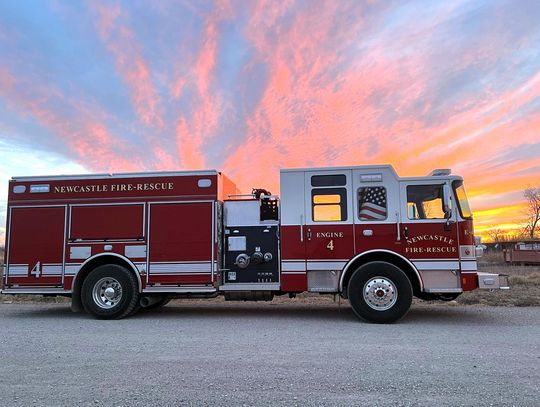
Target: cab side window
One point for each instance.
(425, 202)
(372, 203)
(329, 204)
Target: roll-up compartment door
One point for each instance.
(181, 244)
(36, 246)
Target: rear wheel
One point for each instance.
(380, 292)
(110, 292)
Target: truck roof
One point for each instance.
(387, 167)
(114, 175)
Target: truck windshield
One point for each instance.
(463, 202)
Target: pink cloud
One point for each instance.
(310, 115)
(188, 146)
(208, 105)
(120, 41)
(83, 133)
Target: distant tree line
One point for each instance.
(532, 196)
(530, 230)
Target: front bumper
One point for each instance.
(492, 281)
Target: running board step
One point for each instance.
(180, 290)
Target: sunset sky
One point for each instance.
(248, 87)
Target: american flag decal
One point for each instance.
(372, 203)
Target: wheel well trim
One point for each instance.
(128, 261)
(358, 256)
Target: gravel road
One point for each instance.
(237, 354)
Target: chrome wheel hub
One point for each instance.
(107, 292)
(380, 293)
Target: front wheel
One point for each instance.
(110, 292)
(380, 292)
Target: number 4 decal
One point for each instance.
(36, 270)
(330, 245)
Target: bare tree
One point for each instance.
(496, 234)
(532, 195)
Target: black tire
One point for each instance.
(449, 297)
(124, 295)
(427, 297)
(388, 292)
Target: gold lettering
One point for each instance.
(149, 186)
(329, 234)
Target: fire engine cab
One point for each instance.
(117, 242)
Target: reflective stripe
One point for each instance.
(52, 269)
(293, 266)
(326, 265)
(469, 265)
(17, 270)
(141, 267)
(437, 265)
(72, 269)
(172, 268)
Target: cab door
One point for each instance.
(429, 235)
(377, 210)
(328, 231)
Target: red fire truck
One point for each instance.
(118, 242)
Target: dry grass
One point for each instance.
(524, 292)
(524, 284)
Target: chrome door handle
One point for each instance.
(301, 228)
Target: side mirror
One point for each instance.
(447, 201)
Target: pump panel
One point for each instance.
(251, 256)
(260, 254)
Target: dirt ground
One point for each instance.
(524, 291)
(524, 284)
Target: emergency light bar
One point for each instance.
(440, 172)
